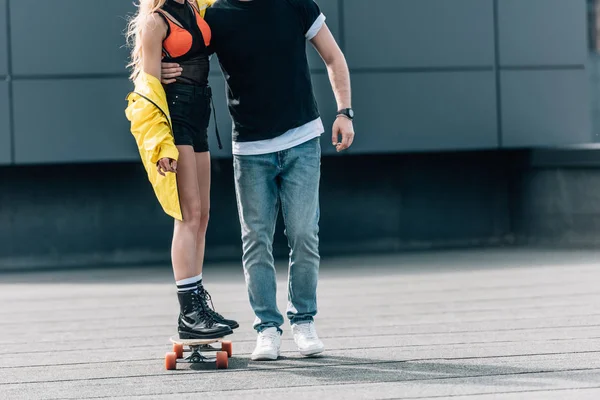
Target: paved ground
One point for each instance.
(460, 325)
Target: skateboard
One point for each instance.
(198, 349)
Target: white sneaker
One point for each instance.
(268, 344)
(307, 340)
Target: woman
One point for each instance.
(170, 126)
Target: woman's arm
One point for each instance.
(153, 34)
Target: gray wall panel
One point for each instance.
(542, 32)
(545, 108)
(218, 87)
(419, 33)
(214, 66)
(72, 212)
(72, 120)
(395, 111)
(3, 39)
(424, 111)
(4, 126)
(330, 9)
(69, 36)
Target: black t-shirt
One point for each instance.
(261, 45)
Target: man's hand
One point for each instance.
(342, 127)
(169, 71)
(165, 165)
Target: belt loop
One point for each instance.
(212, 102)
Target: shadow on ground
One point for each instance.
(333, 369)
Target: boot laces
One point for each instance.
(210, 309)
(199, 304)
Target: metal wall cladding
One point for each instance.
(427, 75)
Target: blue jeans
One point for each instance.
(263, 183)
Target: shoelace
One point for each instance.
(211, 309)
(267, 338)
(307, 330)
(203, 309)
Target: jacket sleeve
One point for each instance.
(203, 5)
(151, 130)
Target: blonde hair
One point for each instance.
(145, 8)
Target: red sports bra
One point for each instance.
(181, 39)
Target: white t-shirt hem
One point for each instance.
(291, 138)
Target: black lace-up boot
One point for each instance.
(195, 319)
(205, 296)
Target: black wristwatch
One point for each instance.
(347, 112)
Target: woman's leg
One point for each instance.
(203, 182)
(185, 233)
(203, 173)
(195, 320)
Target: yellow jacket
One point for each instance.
(151, 128)
(148, 113)
(203, 5)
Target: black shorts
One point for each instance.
(190, 110)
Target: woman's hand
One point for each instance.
(165, 165)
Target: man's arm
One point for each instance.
(339, 75)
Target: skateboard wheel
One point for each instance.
(171, 361)
(222, 360)
(227, 347)
(178, 349)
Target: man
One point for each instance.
(261, 46)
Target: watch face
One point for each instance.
(351, 113)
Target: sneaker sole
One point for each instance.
(312, 352)
(264, 357)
